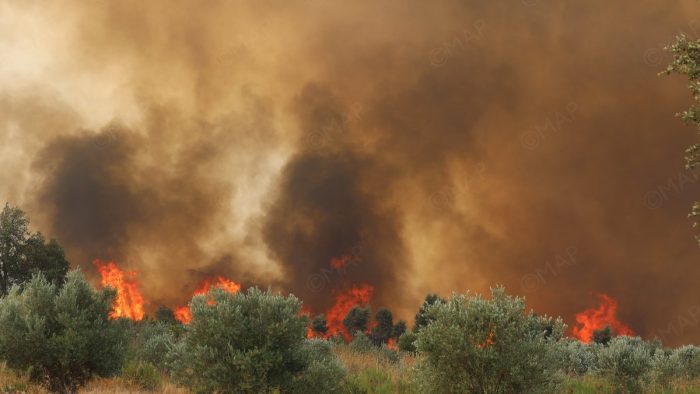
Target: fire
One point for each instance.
(183, 313)
(488, 341)
(357, 295)
(594, 319)
(391, 344)
(340, 262)
(129, 301)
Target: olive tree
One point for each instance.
(686, 61)
(248, 342)
(62, 335)
(479, 345)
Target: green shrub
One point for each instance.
(407, 342)
(370, 380)
(688, 360)
(626, 363)
(360, 342)
(578, 358)
(476, 345)
(142, 374)
(248, 342)
(665, 368)
(324, 373)
(153, 342)
(63, 336)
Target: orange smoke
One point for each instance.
(129, 302)
(355, 296)
(594, 319)
(183, 313)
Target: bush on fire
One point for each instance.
(63, 336)
(251, 342)
(474, 345)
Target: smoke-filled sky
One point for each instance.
(442, 146)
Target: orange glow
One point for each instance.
(488, 341)
(183, 313)
(355, 296)
(340, 262)
(594, 319)
(391, 344)
(129, 301)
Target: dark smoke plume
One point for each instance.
(442, 146)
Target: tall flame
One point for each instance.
(355, 296)
(183, 313)
(594, 319)
(129, 301)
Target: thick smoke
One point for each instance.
(440, 145)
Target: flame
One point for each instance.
(183, 313)
(129, 302)
(391, 344)
(355, 296)
(340, 262)
(594, 319)
(488, 341)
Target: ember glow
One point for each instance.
(129, 301)
(598, 318)
(358, 295)
(183, 313)
(340, 262)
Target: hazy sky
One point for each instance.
(443, 145)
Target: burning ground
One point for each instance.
(322, 146)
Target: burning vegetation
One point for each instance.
(597, 319)
(129, 301)
(183, 313)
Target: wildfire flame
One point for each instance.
(340, 262)
(129, 301)
(594, 319)
(358, 295)
(183, 313)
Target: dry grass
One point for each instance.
(13, 382)
(356, 362)
(119, 386)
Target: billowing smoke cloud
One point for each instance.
(441, 146)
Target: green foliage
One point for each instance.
(165, 315)
(248, 342)
(324, 373)
(23, 254)
(422, 318)
(62, 335)
(384, 327)
(142, 374)
(602, 337)
(153, 342)
(686, 61)
(399, 329)
(626, 363)
(319, 324)
(479, 345)
(688, 360)
(407, 342)
(357, 319)
(374, 380)
(360, 342)
(578, 358)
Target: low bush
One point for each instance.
(62, 336)
(626, 363)
(248, 342)
(476, 345)
(142, 374)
